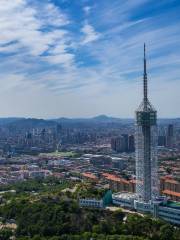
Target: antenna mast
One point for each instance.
(145, 79)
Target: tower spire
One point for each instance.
(145, 78)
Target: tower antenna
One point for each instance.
(145, 79)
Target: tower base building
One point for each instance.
(158, 208)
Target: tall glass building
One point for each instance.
(146, 146)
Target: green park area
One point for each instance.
(45, 209)
(59, 154)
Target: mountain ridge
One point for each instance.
(96, 119)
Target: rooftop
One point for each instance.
(172, 204)
(169, 179)
(125, 195)
(89, 175)
(114, 178)
(176, 194)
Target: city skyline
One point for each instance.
(82, 59)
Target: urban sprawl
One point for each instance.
(136, 163)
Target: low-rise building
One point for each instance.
(119, 184)
(90, 177)
(170, 187)
(95, 202)
(159, 208)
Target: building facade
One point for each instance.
(170, 136)
(170, 188)
(97, 203)
(123, 143)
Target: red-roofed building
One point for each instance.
(173, 195)
(89, 176)
(119, 184)
(170, 187)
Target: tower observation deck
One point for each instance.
(146, 146)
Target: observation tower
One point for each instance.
(146, 146)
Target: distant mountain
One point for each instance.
(97, 121)
(4, 121)
(101, 120)
(25, 122)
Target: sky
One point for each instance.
(82, 58)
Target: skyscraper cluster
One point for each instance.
(123, 143)
(166, 136)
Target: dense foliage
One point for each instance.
(38, 185)
(87, 190)
(57, 216)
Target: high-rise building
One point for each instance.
(162, 141)
(170, 131)
(170, 135)
(123, 143)
(118, 144)
(146, 146)
(131, 146)
(125, 140)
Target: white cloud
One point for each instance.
(51, 15)
(90, 34)
(31, 27)
(41, 47)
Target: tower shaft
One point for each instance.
(146, 131)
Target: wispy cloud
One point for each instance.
(63, 52)
(90, 34)
(33, 29)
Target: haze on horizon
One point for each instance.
(64, 58)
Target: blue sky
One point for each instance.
(81, 58)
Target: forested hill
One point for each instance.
(42, 210)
